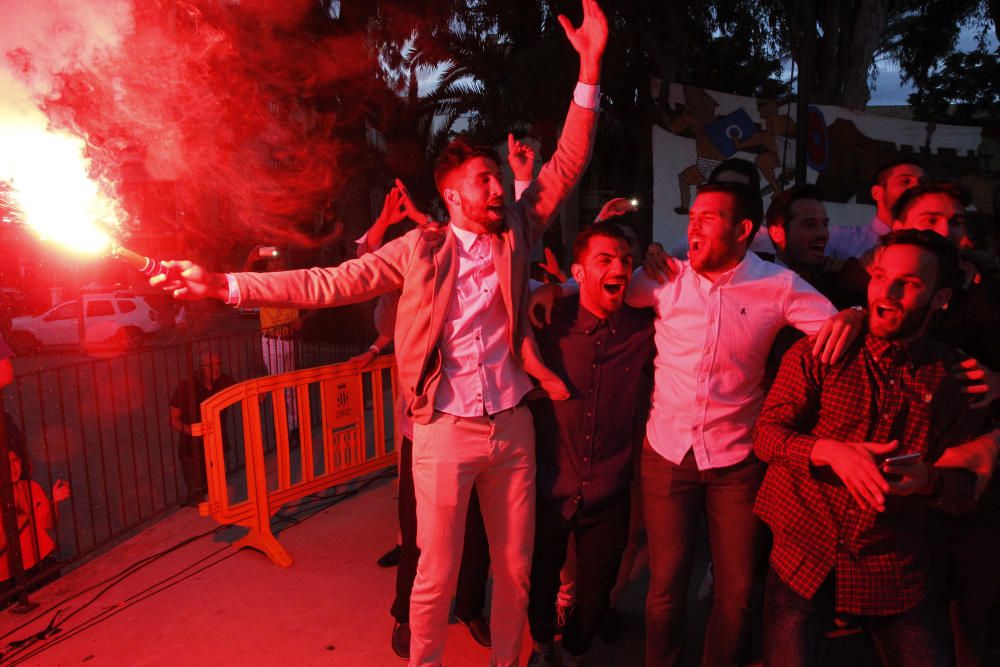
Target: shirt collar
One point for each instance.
(733, 275)
(588, 322)
(465, 237)
(738, 272)
(917, 352)
(879, 227)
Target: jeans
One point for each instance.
(794, 625)
(601, 535)
(673, 499)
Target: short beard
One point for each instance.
(911, 324)
(481, 216)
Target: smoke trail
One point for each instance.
(222, 100)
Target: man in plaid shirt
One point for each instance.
(850, 528)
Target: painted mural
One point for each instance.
(699, 128)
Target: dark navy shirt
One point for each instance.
(586, 443)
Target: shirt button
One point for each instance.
(586, 437)
(590, 414)
(598, 342)
(585, 459)
(593, 365)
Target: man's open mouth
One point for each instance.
(614, 286)
(887, 310)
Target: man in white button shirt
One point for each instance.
(715, 322)
(891, 181)
(464, 351)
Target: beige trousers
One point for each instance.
(450, 454)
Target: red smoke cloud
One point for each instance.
(223, 99)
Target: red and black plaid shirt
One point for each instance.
(878, 393)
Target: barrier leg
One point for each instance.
(265, 542)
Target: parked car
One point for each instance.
(121, 319)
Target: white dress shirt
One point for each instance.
(479, 373)
(712, 342)
(848, 241)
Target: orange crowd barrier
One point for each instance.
(346, 429)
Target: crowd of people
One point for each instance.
(825, 410)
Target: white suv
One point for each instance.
(119, 319)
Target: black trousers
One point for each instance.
(973, 544)
(601, 537)
(470, 596)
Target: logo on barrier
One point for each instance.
(344, 402)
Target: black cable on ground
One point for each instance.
(13, 651)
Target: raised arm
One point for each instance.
(546, 194)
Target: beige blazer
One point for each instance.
(423, 265)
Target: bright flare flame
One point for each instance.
(52, 190)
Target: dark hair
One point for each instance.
(942, 249)
(882, 172)
(779, 211)
(740, 166)
(459, 151)
(747, 204)
(611, 230)
(956, 191)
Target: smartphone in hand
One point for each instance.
(901, 460)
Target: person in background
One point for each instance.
(799, 227)
(278, 329)
(36, 517)
(185, 410)
(891, 180)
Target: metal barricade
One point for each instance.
(303, 432)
